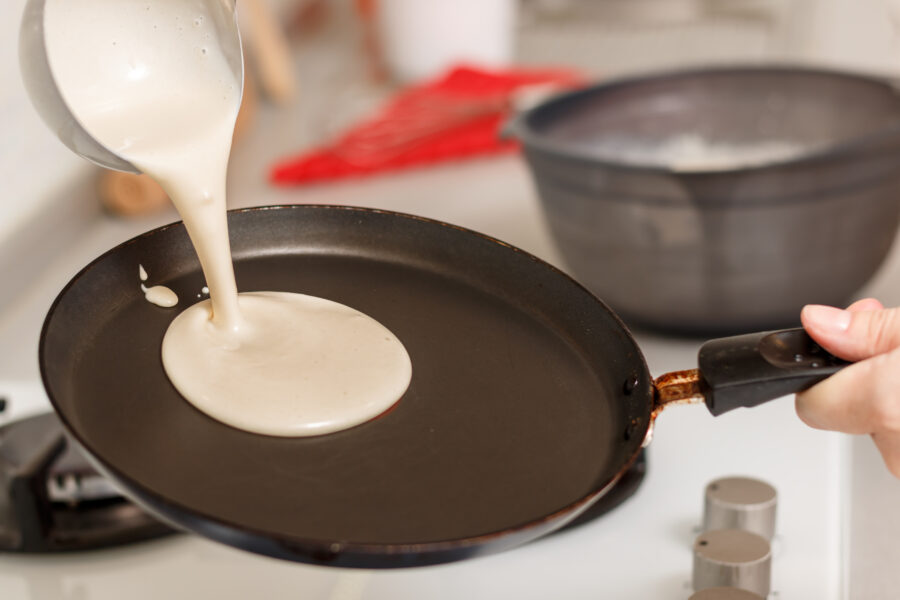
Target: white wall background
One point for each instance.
(862, 34)
(34, 165)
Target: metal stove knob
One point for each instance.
(725, 593)
(732, 558)
(740, 503)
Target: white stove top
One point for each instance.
(640, 550)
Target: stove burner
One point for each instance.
(51, 500)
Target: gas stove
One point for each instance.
(639, 549)
(636, 542)
(53, 500)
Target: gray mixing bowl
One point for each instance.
(720, 200)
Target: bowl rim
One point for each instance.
(521, 126)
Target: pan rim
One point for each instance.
(430, 552)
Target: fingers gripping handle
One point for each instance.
(747, 370)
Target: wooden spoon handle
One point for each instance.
(131, 195)
(270, 51)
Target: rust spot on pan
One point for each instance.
(678, 387)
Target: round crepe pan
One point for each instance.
(529, 397)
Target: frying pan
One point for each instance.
(529, 397)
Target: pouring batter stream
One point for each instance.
(150, 80)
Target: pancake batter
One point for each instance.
(148, 79)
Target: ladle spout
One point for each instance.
(49, 101)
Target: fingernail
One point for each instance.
(827, 318)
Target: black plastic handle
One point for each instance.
(747, 370)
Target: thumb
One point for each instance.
(853, 334)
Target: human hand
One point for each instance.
(865, 396)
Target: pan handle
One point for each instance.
(747, 370)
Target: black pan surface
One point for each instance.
(528, 399)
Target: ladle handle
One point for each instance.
(747, 370)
